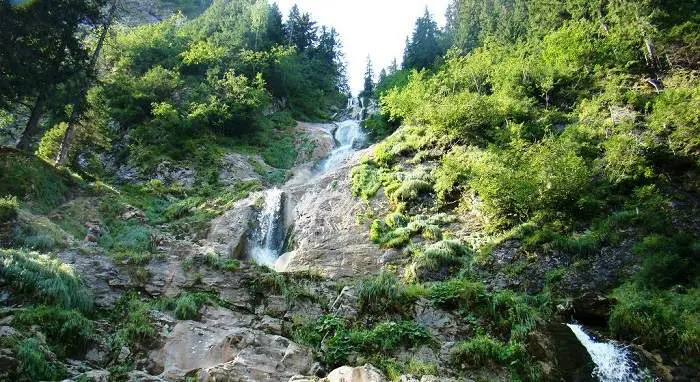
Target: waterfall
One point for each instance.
(613, 362)
(268, 237)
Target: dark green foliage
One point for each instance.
(365, 181)
(424, 47)
(187, 305)
(135, 327)
(457, 293)
(8, 208)
(668, 261)
(35, 363)
(336, 340)
(45, 279)
(40, 186)
(383, 294)
(667, 320)
(67, 330)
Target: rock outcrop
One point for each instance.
(325, 236)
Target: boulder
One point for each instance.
(172, 174)
(366, 373)
(223, 347)
(99, 272)
(235, 168)
(228, 231)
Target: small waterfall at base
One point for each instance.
(268, 237)
(613, 362)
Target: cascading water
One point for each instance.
(267, 240)
(613, 362)
(349, 136)
(268, 237)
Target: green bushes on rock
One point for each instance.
(45, 279)
(36, 363)
(68, 330)
(8, 208)
(384, 293)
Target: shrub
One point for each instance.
(47, 280)
(478, 352)
(69, 330)
(135, 326)
(35, 363)
(665, 320)
(382, 294)
(411, 189)
(457, 293)
(365, 181)
(395, 220)
(8, 208)
(667, 260)
(38, 233)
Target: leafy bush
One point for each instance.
(384, 293)
(337, 341)
(365, 181)
(68, 330)
(666, 320)
(46, 279)
(8, 208)
(667, 260)
(457, 293)
(411, 189)
(187, 305)
(40, 186)
(135, 327)
(36, 364)
(479, 351)
(38, 233)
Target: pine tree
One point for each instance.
(275, 28)
(382, 76)
(393, 67)
(424, 47)
(300, 30)
(368, 90)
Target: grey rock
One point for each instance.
(345, 305)
(142, 376)
(100, 273)
(326, 236)
(441, 324)
(124, 353)
(235, 168)
(172, 174)
(228, 232)
(92, 376)
(366, 373)
(224, 347)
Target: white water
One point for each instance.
(349, 136)
(268, 238)
(267, 241)
(613, 362)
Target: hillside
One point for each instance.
(189, 195)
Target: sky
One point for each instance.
(377, 28)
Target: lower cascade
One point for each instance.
(268, 237)
(613, 362)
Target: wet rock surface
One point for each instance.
(326, 236)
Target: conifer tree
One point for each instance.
(424, 46)
(368, 90)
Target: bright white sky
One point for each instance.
(377, 28)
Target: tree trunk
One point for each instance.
(62, 156)
(32, 129)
